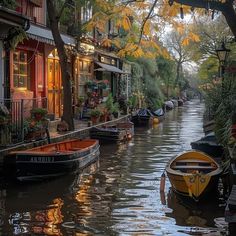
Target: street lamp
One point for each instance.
(222, 54)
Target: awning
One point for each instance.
(44, 35)
(105, 67)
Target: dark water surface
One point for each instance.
(119, 194)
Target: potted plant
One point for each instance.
(38, 113)
(95, 115)
(79, 107)
(4, 114)
(109, 105)
(35, 127)
(115, 109)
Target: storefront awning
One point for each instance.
(44, 35)
(109, 68)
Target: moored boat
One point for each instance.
(146, 117)
(193, 174)
(168, 105)
(209, 145)
(51, 160)
(160, 114)
(122, 131)
(143, 117)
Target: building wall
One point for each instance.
(1, 70)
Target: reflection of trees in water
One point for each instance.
(187, 212)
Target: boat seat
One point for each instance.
(194, 167)
(192, 161)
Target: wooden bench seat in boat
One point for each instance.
(192, 161)
(193, 167)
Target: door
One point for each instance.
(54, 87)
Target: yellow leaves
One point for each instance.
(194, 37)
(116, 42)
(146, 28)
(190, 37)
(185, 42)
(131, 49)
(142, 5)
(126, 23)
(106, 42)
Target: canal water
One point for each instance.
(119, 194)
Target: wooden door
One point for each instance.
(54, 87)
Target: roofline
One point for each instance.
(14, 17)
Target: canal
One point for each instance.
(119, 194)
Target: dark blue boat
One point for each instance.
(209, 145)
(51, 160)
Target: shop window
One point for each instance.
(20, 70)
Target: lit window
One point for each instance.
(20, 69)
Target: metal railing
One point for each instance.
(13, 131)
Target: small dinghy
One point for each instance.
(193, 174)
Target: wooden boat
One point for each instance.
(160, 114)
(193, 174)
(208, 126)
(52, 159)
(122, 131)
(209, 145)
(143, 117)
(180, 102)
(146, 117)
(168, 105)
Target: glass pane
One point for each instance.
(23, 69)
(81, 65)
(15, 80)
(15, 56)
(22, 57)
(85, 68)
(15, 68)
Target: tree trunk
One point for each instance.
(177, 73)
(65, 70)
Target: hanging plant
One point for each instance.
(16, 35)
(91, 84)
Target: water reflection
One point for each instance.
(119, 194)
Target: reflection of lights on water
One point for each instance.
(45, 221)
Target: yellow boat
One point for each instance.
(193, 174)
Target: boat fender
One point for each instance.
(162, 182)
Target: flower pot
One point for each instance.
(95, 119)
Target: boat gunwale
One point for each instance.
(35, 150)
(169, 169)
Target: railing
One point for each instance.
(13, 131)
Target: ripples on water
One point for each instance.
(119, 194)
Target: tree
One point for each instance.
(226, 7)
(166, 72)
(178, 46)
(54, 17)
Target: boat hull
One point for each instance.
(142, 120)
(196, 186)
(118, 133)
(35, 166)
(193, 174)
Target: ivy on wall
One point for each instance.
(8, 4)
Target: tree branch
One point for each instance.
(145, 20)
(227, 9)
